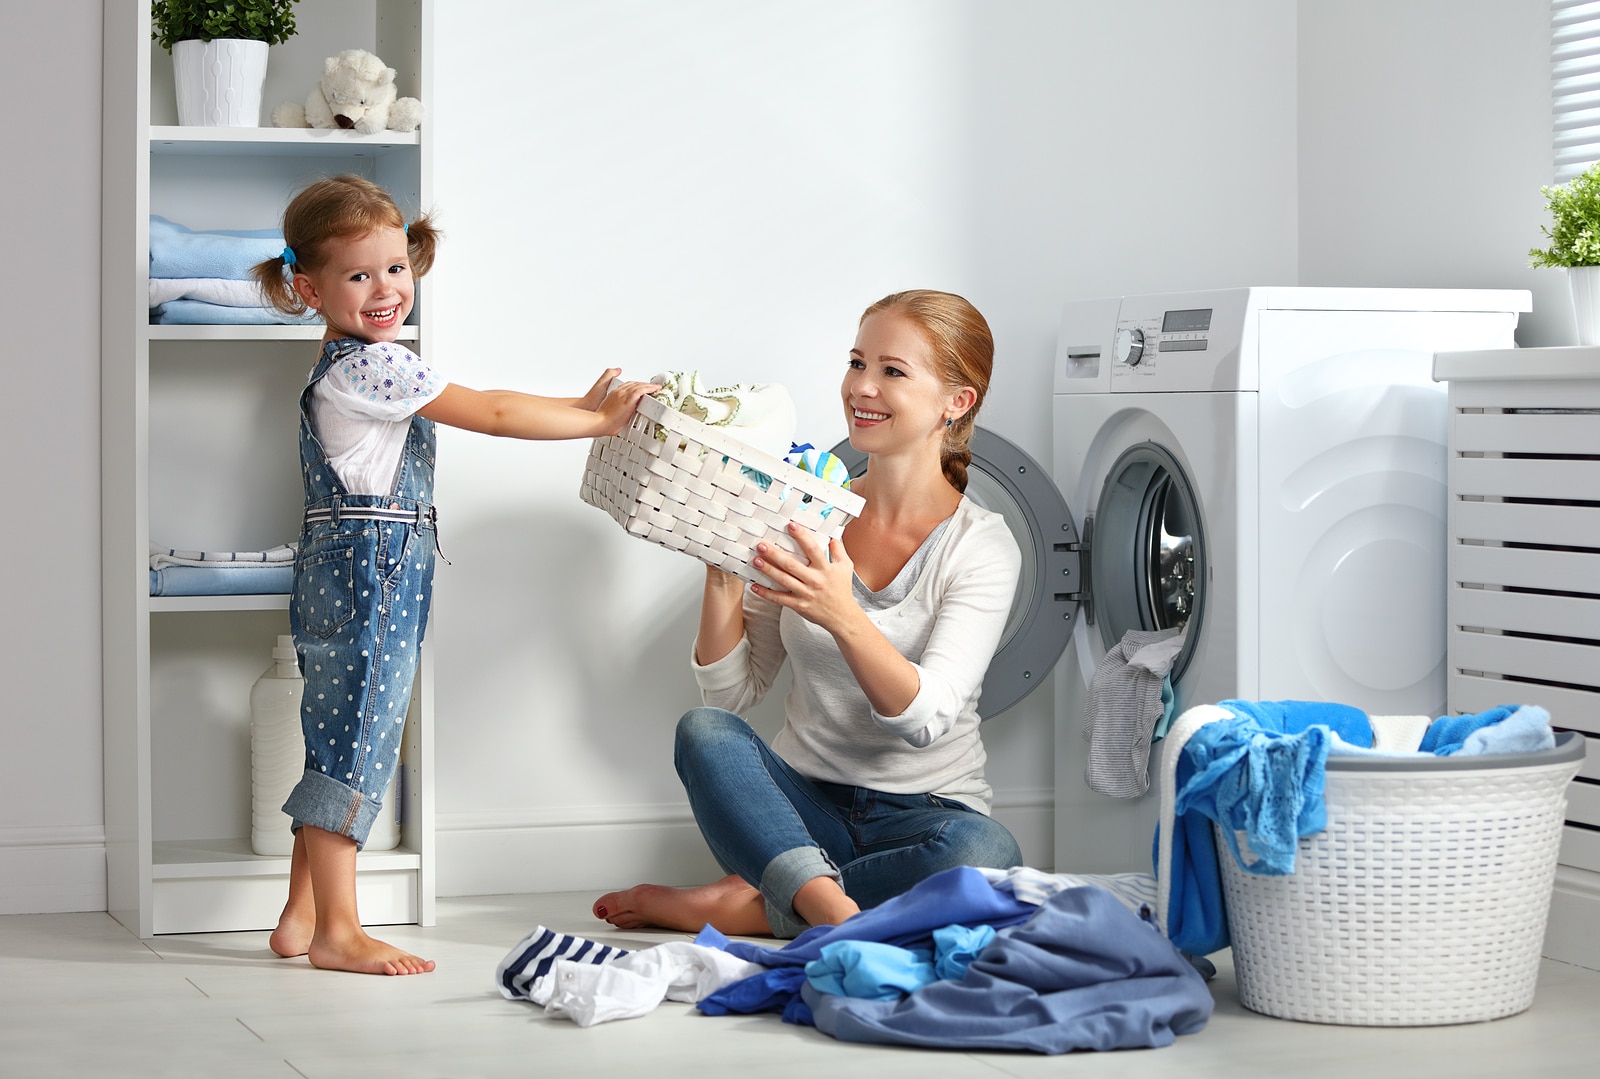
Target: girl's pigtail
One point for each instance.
(422, 240)
(274, 276)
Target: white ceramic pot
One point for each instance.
(219, 82)
(1585, 283)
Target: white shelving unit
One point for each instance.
(1524, 576)
(199, 451)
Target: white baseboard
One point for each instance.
(53, 870)
(598, 848)
(1571, 934)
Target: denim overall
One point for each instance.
(363, 583)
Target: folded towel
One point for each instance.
(197, 313)
(161, 557)
(761, 415)
(224, 579)
(178, 251)
(218, 290)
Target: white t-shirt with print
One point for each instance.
(361, 412)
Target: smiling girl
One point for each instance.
(363, 573)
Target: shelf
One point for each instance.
(177, 859)
(269, 602)
(311, 332)
(278, 141)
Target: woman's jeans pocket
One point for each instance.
(324, 584)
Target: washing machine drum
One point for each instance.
(1005, 480)
(1148, 564)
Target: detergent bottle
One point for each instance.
(277, 749)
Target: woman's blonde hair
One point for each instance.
(337, 208)
(963, 352)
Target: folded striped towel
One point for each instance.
(162, 557)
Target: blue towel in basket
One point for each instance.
(1510, 728)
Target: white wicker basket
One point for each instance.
(1424, 902)
(672, 480)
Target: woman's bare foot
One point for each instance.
(357, 952)
(730, 904)
(293, 935)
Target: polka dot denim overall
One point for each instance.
(363, 582)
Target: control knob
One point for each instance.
(1130, 346)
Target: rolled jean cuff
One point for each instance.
(782, 878)
(330, 805)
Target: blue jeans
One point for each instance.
(777, 829)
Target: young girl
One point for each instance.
(363, 575)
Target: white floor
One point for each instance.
(81, 996)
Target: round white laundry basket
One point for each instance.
(1424, 901)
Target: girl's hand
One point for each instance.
(597, 392)
(617, 407)
(817, 586)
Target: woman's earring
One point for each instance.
(948, 421)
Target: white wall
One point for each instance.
(1424, 139)
(52, 841)
(724, 186)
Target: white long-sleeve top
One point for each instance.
(949, 627)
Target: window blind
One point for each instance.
(1575, 78)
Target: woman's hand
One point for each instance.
(816, 586)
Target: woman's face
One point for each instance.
(893, 396)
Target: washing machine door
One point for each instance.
(1005, 480)
(1148, 564)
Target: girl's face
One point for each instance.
(364, 287)
(893, 396)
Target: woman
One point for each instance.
(876, 779)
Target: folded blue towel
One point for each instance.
(200, 313)
(230, 579)
(178, 251)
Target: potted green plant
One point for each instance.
(1574, 235)
(219, 55)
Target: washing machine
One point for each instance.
(1264, 469)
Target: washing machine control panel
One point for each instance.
(1166, 346)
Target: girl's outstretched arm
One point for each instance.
(510, 414)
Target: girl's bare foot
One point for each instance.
(293, 935)
(357, 952)
(730, 904)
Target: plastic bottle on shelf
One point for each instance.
(277, 749)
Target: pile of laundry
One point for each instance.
(1258, 768)
(967, 959)
(203, 277)
(175, 572)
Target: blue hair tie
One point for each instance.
(288, 256)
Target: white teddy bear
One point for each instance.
(357, 92)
